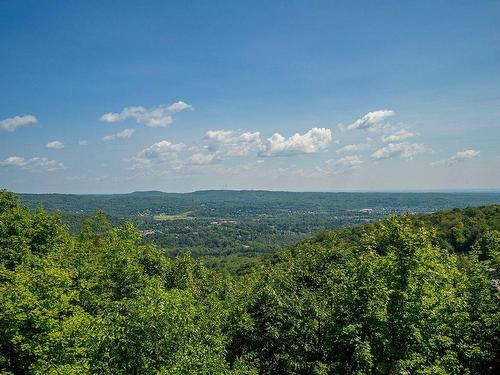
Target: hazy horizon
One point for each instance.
(450, 191)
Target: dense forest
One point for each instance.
(409, 294)
(235, 230)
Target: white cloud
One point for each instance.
(83, 142)
(370, 119)
(315, 140)
(155, 117)
(343, 165)
(398, 136)
(162, 150)
(11, 124)
(35, 163)
(355, 147)
(55, 145)
(458, 157)
(202, 159)
(220, 136)
(157, 153)
(350, 162)
(179, 106)
(403, 150)
(231, 143)
(124, 134)
(44, 163)
(15, 161)
(249, 137)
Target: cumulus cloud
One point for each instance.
(35, 163)
(370, 120)
(315, 140)
(11, 124)
(13, 161)
(202, 159)
(55, 145)
(403, 150)
(83, 142)
(162, 150)
(155, 117)
(220, 136)
(231, 143)
(358, 147)
(398, 136)
(340, 166)
(249, 137)
(350, 162)
(156, 153)
(458, 157)
(124, 134)
(179, 106)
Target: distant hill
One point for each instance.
(229, 202)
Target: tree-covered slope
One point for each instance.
(390, 302)
(456, 230)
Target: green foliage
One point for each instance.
(233, 230)
(392, 303)
(101, 303)
(384, 298)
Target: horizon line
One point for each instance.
(359, 191)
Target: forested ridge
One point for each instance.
(414, 294)
(235, 230)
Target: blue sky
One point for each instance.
(115, 96)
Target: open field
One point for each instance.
(182, 216)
